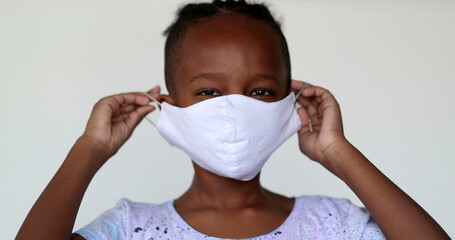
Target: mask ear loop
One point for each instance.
(299, 93)
(310, 123)
(154, 100)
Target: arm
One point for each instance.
(111, 123)
(398, 216)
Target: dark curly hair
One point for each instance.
(190, 14)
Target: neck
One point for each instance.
(218, 192)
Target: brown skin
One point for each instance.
(112, 121)
(228, 55)
(219, 58)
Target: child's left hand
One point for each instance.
(322, 127)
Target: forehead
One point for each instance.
(232, 23)
(230, 29)
(231, 39)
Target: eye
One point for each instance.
(208, 92)
(262, 92)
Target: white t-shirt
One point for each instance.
(313, 217)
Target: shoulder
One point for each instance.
(125, 204)
(334, 218)
(127, 218)
(324, 204)
(331, 209)
(139, 211)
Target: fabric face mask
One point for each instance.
(231, 136)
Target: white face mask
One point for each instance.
(231, 136)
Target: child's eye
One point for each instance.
(208, 92)
(262, 92)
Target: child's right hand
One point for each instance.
(114, 118)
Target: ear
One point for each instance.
(166, 98)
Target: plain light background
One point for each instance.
(389, 63)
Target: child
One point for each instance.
(230, 105)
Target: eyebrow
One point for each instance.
(267, 77)
(210, 76)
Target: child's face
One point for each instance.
(230, 55)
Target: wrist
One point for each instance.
(338, 156)
(89, 152)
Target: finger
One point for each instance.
(136, 116)
(122, 116)
(310, 103)
(304, 101)
(312, 110)
(332, 115)
(110, 106)
(306, 131)
(304, 119)
(124, 99)
(125, 115)
(318, 92)
(119, 118)
(127, 108)
(154, 92)
(329, 114)
(297, 85)
(319, 95)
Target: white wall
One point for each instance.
(390, 64)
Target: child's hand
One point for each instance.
(114, 118)
(322, 128)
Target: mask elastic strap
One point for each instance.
(297, 105)
(154, 100)
(300, 92)
(310, 124)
